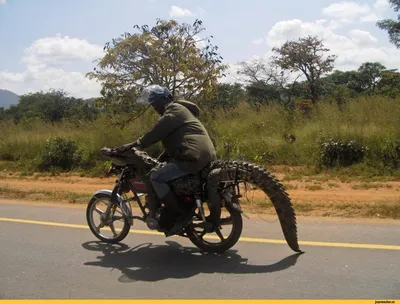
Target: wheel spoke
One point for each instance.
(203, 233)
(116, 218)
(113, 229)
(101, 225)
(226, 221)
(218, 232)
(100, 212)
(117, 210)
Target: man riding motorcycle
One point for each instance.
(186, 143)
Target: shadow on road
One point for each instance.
(147, 262)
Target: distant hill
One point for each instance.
(8, 98)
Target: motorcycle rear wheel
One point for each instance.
(225, 243)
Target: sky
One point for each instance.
(49, 44)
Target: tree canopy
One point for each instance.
(52, 106)
(392, 27)
(170, 54)
(306, 55)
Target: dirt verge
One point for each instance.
(312, 197)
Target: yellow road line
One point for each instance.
(242, 239)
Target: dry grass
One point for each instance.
(379, 209)
(314, 187)
(38, 195)
(367, 186)
(333, 185)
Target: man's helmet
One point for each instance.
(155, 95)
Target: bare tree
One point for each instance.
(307, 56)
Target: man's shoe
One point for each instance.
(211, 224)
(210, 227)
(152, 223)
(184, 217)
(180, 224)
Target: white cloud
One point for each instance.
(178, 12)
(293, 29)
(75, 83)
(362, 38)
(381, 5)
(231, 74)
(45, 62)
(346, 11)
(377, 11)
(11, 77)
(351, 12)
(370, 18)
(57, 50)
(3, 1)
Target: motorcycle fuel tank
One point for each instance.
(138, 185)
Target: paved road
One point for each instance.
(47, 261)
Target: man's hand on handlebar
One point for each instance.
(126, 147)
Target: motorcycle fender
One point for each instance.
(228, 199)
(108, 192)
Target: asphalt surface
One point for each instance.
(43, 261)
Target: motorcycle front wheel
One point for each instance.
(112, 234)
(204, 241)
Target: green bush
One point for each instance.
(388, 154)
(85, 159)
(59, 153)
(335, 153)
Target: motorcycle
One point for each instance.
(131, 167)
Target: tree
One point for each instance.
(370, 75)
(168, 54)
(348, 79)
(229, 95)
(3, 114)
(305, 55)
(48, 106)
(364, 80)
(268, 82)
(52, 106)
(342, 86)
(392, 26)
(389, 84)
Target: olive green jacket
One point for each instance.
(183, 136)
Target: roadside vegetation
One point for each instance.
(360, 139)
